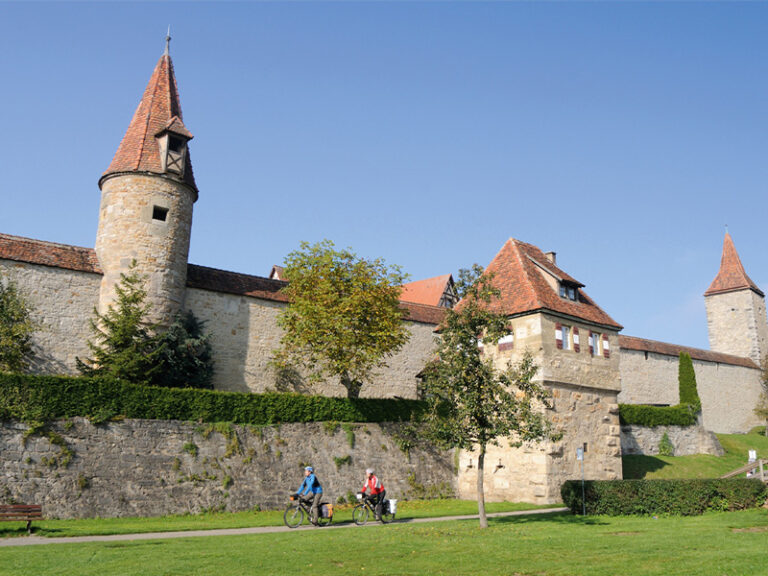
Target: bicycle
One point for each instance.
(294, 513)
(361, 511)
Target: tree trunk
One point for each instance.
(353, 386)
(480, 491)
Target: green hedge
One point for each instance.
(643, 415)
(43, 398)
(650, 497)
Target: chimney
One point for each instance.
(552, 257)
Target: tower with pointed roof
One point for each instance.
(147, 195)
(736, 315)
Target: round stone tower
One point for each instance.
(147, 195)
(736, 314)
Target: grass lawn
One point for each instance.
(736, 448)
(716, 544)
(105, 526)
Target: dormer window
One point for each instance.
(173, 153)
(172, 141)
(568, 292)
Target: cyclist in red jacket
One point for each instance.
(377, 491)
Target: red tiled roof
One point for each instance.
(731, 275)
(519, 277)
(633, 343)
(21, 249)
(48, 254)
(158, 110)
(428, 291)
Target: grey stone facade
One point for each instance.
(153, 468)
(685, 440)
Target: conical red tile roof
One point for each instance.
(519, 273)
(159, 110)
(731, 275)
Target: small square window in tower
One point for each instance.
(159, 213)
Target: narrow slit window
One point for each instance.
(159, 213)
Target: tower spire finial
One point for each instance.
(168, 41)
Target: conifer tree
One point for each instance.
(16, 328)
(185, 355)
(124, 344)
(687, 383)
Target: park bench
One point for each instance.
(21, 513)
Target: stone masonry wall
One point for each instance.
(152, 468)
(737, 324)
(245, 333)
(686, 440)
(62, 303)
(728, 393)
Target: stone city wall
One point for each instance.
(62, 303)
(685, 440)
(75, 469)
(728, 393)
(245, 333)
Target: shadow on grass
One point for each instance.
(636, 467)
(553, 518)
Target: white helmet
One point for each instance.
(369, 470)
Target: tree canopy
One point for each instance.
(471, 403)
(16, 328)
(344, 317)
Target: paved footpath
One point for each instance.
(37, 540)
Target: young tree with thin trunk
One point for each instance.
(16, 328)
(343, 318)
(471, 404)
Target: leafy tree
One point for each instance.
(16, 328)
(185, 355)
(343, 318)
(124, 345)
(686, 378)
(471, 404)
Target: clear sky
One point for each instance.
(623, 136)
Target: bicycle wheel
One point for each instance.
(360, 514)
(293, 516)
(386, 515)
(323, 521)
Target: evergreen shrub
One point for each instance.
(651, 416)
(43, 398)
(673, 497)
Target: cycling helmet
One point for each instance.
(309, 469)
(369, 471)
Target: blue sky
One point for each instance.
(623, 136)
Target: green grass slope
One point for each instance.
(736, 446)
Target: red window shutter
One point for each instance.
(559, 336)
(576, 347)
(606, 347)
(591, 343)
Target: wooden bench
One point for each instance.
(21, 513)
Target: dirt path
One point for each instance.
(37, 540)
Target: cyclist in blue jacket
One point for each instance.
(314, 492)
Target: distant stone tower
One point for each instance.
(147, 195)
(736, 309)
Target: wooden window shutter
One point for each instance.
(559, 336)
(591, 343)
(576, 339)
(606, 346)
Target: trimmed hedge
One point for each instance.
(644, 415)
(686, 378)
(676, 497)
(43, 398)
